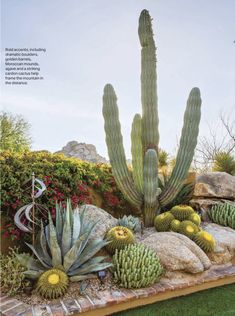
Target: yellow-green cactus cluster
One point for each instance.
(136, 266)
(119, 237)
(184, 220)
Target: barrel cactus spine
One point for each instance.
(141, 187)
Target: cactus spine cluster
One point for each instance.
(205, 241)
(119, 237)
(223, 214)
(141, 186)
(52, 284)
(136, 266)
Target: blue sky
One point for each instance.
(90, 43)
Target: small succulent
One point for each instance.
(136, 266)
(175, 225)
(205, 241)
(52, 284)
(162, 222)
(12, 279)
(223, 214)
(118, 238)
(188, 229)
(182, 212)
(67, 247)
(130, 222)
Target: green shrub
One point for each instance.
(64, 178)
(224, 162)
(12, 274)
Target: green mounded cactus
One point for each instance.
(182, 212)
(162, 222)
(136, 266)
(205, 241)
(141, 187)
(175, 225)
(52, 284)
(118, 237)
(131, 222)
(195, 218)
(223, 214)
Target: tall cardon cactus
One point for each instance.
(140, 186)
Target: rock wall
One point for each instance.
(83, 151)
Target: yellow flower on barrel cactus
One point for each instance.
(119, 237)
(162, 222)
(188, 229)
(52, 284)
(182, 212)
(205, 241)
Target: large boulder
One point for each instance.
(225, 241)
(177, 252)
(104, 219)
(220, 185)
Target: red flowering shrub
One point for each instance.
(64, 178)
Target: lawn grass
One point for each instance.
(218, 301)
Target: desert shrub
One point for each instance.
(224, 162)
(64, 178)
(12, 278)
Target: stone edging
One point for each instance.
(12, 307)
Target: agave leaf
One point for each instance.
(67, 232)
(54, 247)
(43, 244)
(69, 206)
(92, 268)
(72, 254)
(82, 214)
(82, 277)
(31, 274)
(76, 225)
(38, 256)
(95, 260)
(89, 229)
(59, 223)
(91, 249)
(47, 235)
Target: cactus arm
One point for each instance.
(188, 142)
(116, 152)
(150, 134)
(137, 152)
(150, 186)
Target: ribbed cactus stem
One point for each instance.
(150, 134)
(150, 186)
(137, 152)
(116, 152)
(188, 142)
